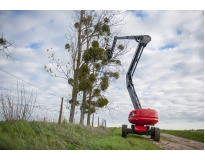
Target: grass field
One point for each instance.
(50, 136)
(189, 134)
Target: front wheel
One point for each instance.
(124, 131)
(157, 134)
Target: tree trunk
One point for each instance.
(89, 105)
(89, 112)
(93, 120)
(76, 71)
(74, 97)
(83, 108)
(84, 97)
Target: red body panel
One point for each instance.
(140, 128)
(143, 117)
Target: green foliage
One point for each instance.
(67, 46)
(2, 41)
(92, 77)
(76, 25)
(93, 54)
(98, 26)
(97, 66)
(106, 29)
(104, 62)
(70, 81)
(101, 102)
(104, 83)
(85, 84)
(118, 62)
(114, 75)
(87, 21)
(76, 102)
(189, 134)
(95, 44)
(92, 110)
(84, 70)
(106, 20)
(120, 47)
(103, 28)
(96, 92)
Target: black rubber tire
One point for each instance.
(152, 130)
(132, 126)
(157, 134)
(124, 131)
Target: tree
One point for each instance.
(86, 27)
(20, 106)
(97, 80)
(4, 45)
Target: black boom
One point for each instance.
(142, 42)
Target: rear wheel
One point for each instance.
(124, 131)
(157, 134)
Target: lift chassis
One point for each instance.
(142, 119)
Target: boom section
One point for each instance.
(142, 42)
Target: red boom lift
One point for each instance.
(142, 120)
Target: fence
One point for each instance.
(48, 107)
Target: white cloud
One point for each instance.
(170, 80)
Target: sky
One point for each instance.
(169, 77)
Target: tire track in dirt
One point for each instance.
(170, 142)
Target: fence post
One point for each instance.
(102, 122)
(98, 121)
(93, 120)
(60, 114)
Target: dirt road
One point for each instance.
(170, 142)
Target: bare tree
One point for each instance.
(18, 106)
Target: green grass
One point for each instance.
(50, 136)
(189, 134)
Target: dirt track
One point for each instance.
(170, 142)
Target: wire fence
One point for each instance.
(46, 106)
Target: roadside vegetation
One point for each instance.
(50, 136)
(189, 134)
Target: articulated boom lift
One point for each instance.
(142, 120)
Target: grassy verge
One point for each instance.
(189, 134)
(49, 136)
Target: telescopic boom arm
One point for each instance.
(142, 42)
